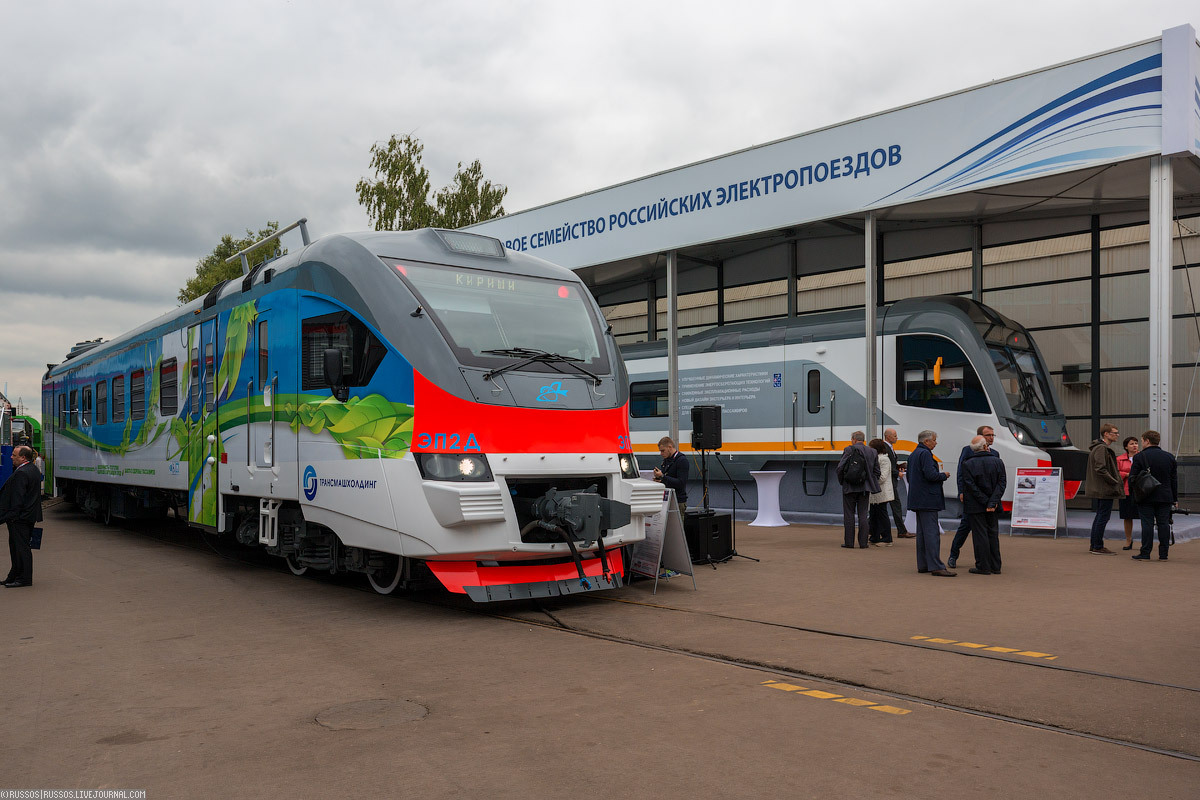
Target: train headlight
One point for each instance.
(629, 466)
(453, 467)
(1020, 433)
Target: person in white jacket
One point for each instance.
(877, 518)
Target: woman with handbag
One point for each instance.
(877, 518)
(1155, 483)
(1128, 505)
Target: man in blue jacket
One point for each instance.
(1155, 509)
(982, 478)
(964, 525)
(925, 500)
(673, 472)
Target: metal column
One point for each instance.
(977, 263)
(1097, 409)
(673, 342)
(651, 310)
(871, 270)
(1161, 210)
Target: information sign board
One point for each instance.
(1038, 499)
(665, 545)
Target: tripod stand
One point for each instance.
(733, 523)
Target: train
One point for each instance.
(422, 407)
(793, 390)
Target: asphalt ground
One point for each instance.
(148, 657)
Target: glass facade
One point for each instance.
(1046, 285)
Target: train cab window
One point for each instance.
(118, 398)
(74, 408)
(194, 384)
(168, 388)
(86, 407)
(814, 391)
(62, 410)
(361, 351)
(648, 399)
(263, 377)
(101, 402)
(137, 395)
(933, 372)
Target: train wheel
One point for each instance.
(385, 581)
(295, 565)
(106, 514)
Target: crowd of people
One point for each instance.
(1143, 479)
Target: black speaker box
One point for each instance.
(709, 535)
(706, 427)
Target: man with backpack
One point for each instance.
(858, 473)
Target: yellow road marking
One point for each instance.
(837, 698)
(990, 648)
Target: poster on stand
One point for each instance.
(665, 546)
(1038, 499)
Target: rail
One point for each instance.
(302, 224)
(249, 391)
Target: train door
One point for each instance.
(204, 445)
(265, 377)
(815, 407)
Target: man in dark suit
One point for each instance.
(925, 499)
(21, 508)
(1156, 508)
(856, 493)
(673, 472)
(984, 482)
(964, 524)
(890, 438)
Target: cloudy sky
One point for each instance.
(133, 135)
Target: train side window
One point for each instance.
(194, 385)
(86, 407)
(137, 395)
(62, 410)
(118, 398)
(649, 399)
(210, 382)
(74, 408)
(263, 378)
(361, 351)
(168, 388)
(101, 402)
(814, 391)
(951, 385)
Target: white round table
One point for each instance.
(768, 498)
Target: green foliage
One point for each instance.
(237, 339)
(212, 269)
(367, 427)
(397, 199)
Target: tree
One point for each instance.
(398, 196)
(212, 269)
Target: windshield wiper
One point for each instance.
(529, 355)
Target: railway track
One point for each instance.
(508, 612)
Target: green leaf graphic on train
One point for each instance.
(237, 339)
(366, 427)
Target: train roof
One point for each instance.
(954, 313)
(355, 255)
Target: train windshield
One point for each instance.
(1023, 380)
(481, 311)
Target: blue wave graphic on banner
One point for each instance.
(1055, 112)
